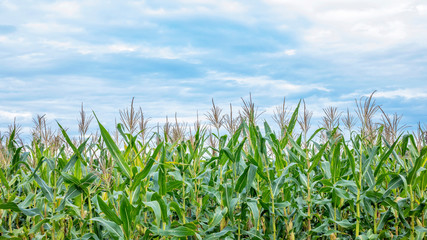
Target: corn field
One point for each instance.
(230, 179)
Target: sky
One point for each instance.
(175, 56)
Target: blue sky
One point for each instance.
(174, 56)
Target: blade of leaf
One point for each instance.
(109, 213)
(47, 191)
(125, 215)
(110, 226)
(114, 151)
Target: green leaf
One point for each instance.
(253, 233)
(31, 212)
(216, 219)
(15, 159)
(163, 207)
(11, 145)
(37, 226)
(155, 207)
(114, 151)
(72, 192)
(341, 193)
(251, 176)
(388, 215)
(177, 209)
(15, 208)
(315, 160)
(162, 173)
(239, 150)
(404, 144)
(109, 213)
(88, 180)
(110, 226)
(219, 235)
(314, 134)
(242, 181)
(227, 153)
(352, 163)
(47, 191)
(125, 215)
(385, 157)
(180, 231)
(421, 229)
(420, 162)
(89, 236)
(67, 138)
(296, 146)
(3, 179)
(227, 192)
(278, 183)
(255, 211)
(394, 183)
(70, 179)
(293, 120)
(141, 175)
(344, 224)
(10, 206)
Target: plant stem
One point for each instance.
(412, 217)
(375, 218)
(183, 198)
(90, 212)
(308, 189)
(358, 191)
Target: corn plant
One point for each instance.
(251, 184)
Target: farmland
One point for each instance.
(235, 177)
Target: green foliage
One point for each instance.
(248, 186)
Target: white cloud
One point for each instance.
(407, 93)
(399, 93)
(41, 52)
(118, 48)
(314, 40)
(421, 9)
(279, 54)
(346, 26)
(63, 9)
(8, 116)
(290, 52)
(50, 27)
(277, 87)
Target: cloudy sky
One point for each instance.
(174, 56)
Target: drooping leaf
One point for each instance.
(109, 213)
(110, 226)
(126, 217)
(47, 191)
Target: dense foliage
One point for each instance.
(251, 183)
